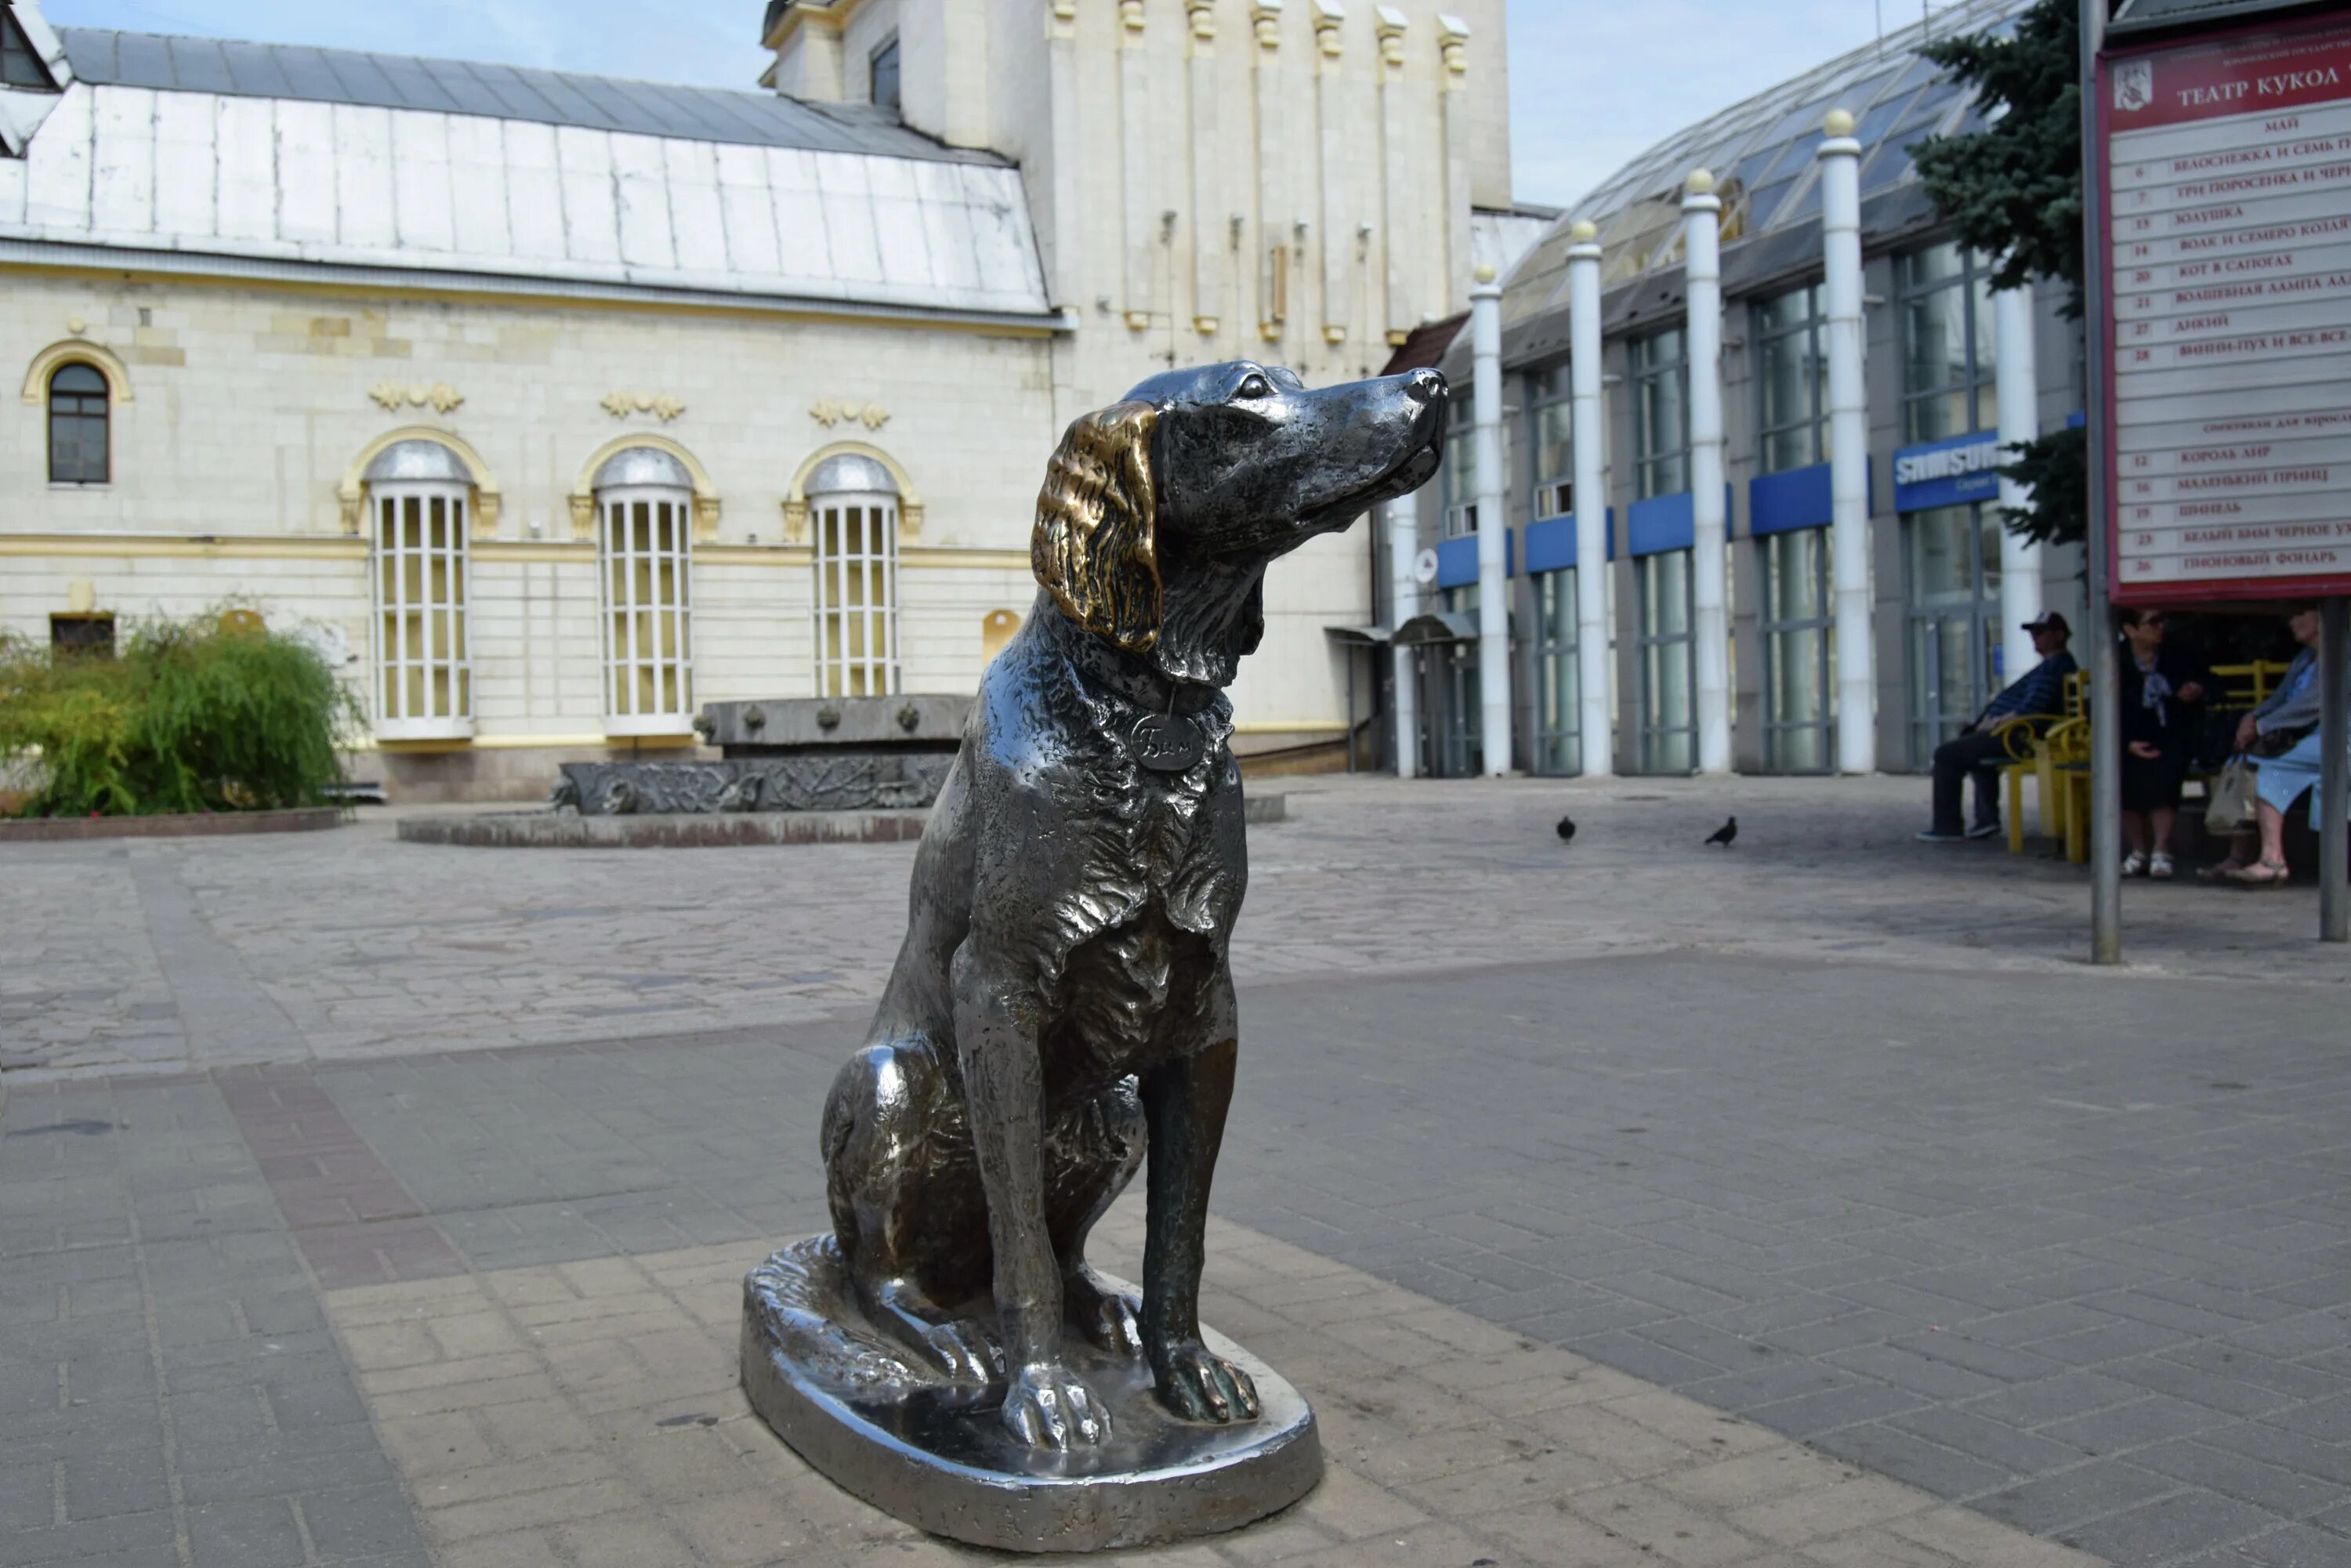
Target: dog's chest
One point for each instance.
(1126, 999)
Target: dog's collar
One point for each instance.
(1132, 677)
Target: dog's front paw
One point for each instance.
(1200, 1386)
(1109, 1320)
(966, 1350)
(1047, 1408)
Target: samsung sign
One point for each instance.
(1947, 473)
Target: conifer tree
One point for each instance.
(2013, 190)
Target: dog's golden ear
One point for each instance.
(1094, 547)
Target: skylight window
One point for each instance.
(19, 65)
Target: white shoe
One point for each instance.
(2135, 864)
(2159, 867)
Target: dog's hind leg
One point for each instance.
(907, 1206)
(1091, 1152)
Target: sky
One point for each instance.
(1593, 82)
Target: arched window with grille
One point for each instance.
(419, 501)
(78, 434)
(645, 510)
(853, 509)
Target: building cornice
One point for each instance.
(124, 265)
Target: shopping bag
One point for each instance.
(2229, 807)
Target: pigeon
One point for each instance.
(1567, 829)
(1727, 834)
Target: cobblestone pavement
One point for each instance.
(1825, 1148)
(351, 945)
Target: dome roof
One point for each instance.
(418, 460)
(853, 473)
(641, 465)
(1763, 154)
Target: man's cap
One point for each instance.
(2049, 621)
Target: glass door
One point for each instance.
(1953, 569)
(1558, 747)
(1799, 655)
(1669, 665)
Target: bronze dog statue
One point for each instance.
(1064, 997)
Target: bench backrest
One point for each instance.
(2246, 687)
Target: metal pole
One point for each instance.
(1710, 520)
(2019, 394)
(1402, 519)
(1856, 658)
(2106, 687)
(1493, 524)
(1595, 669)
(2334, 774)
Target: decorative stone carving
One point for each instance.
(1265, 17)
(1330, 16)
(806, 782)
(830, 411)
(1453, 44)
(439, 396)
(621, 404)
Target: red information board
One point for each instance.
(2227, 168)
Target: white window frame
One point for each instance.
(865, 665)
(399, 622)
(635, 609)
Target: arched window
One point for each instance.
(77, 428)
(644, 507)
(419, 495)
(852, 507)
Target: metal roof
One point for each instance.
(1763, 154)
(107, 57)
(2137, 14)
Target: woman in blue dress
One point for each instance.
(2281, 738)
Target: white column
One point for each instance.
(1272, 149)
(2019, 389)
(1453, 45)
(1595, 669)
(1402, 207)
(1710, 597)
(1857, 696)
(1402, 516)
(1331, 135)
(1493, 582)
(1208, 220)
(1137, 135)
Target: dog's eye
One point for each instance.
(1255, 386)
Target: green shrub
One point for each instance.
(188, 716)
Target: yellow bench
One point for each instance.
(2025, 736)
(2058, 759)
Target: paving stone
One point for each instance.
(2172, 1526)
(257, 1535)
(1835, 1182)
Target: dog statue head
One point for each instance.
(1160, 513)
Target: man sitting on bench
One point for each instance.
(1981, 749)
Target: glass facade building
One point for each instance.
(1931, 576)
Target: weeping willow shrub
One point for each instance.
(188, 716)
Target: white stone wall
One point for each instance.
(996, 92)
(250, 406)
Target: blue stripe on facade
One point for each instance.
(1662, 523)
(1457, 559)
(1551, 543)
(1782, 502)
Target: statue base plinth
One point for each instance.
(882, 1424)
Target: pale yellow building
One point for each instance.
(555, 406)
